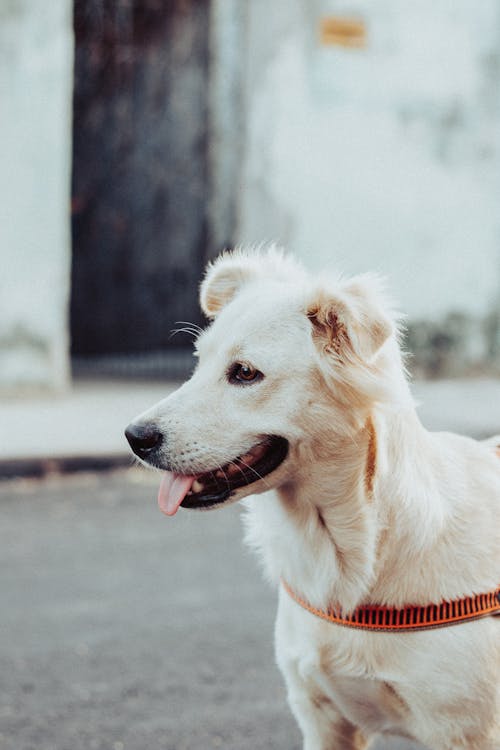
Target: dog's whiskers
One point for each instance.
(249, 466)
(192, 329)
(194, 326)
(221, 468)
(189, 331)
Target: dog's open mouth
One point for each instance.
(215, 487)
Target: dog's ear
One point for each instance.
(223, 278)
(233, 270)
(351, 322)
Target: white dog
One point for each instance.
(300, 389)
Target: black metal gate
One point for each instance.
(139, 190)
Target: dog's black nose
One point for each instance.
(143, 438)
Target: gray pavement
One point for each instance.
(121, 629)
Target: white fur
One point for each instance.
(368, 507)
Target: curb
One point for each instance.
(37, 468)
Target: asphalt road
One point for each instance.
(121, 629)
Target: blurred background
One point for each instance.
(138, 138)
(359, 134)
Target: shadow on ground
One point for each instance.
(124, 630)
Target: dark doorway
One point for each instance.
(140, 187)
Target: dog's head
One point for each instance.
(289, 364)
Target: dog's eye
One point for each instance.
(240, 373)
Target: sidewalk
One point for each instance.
(84, 427)
(80, 429)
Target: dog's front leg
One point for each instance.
(322, 725)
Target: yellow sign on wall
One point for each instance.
(344, 32)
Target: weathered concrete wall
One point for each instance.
(226, 118)
(385, 158)
(36, 63)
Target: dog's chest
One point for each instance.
(339, 672)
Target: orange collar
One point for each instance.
(376, 618)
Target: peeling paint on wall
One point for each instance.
(25, 358)
(35, 132)
(456, 345)
(385, 158)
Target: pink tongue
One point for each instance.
(173, 490)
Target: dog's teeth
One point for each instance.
(258, 451)
(219, 474)
(196, 486)
(249, 457)
(253, 455)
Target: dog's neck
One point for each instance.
(328, 534)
